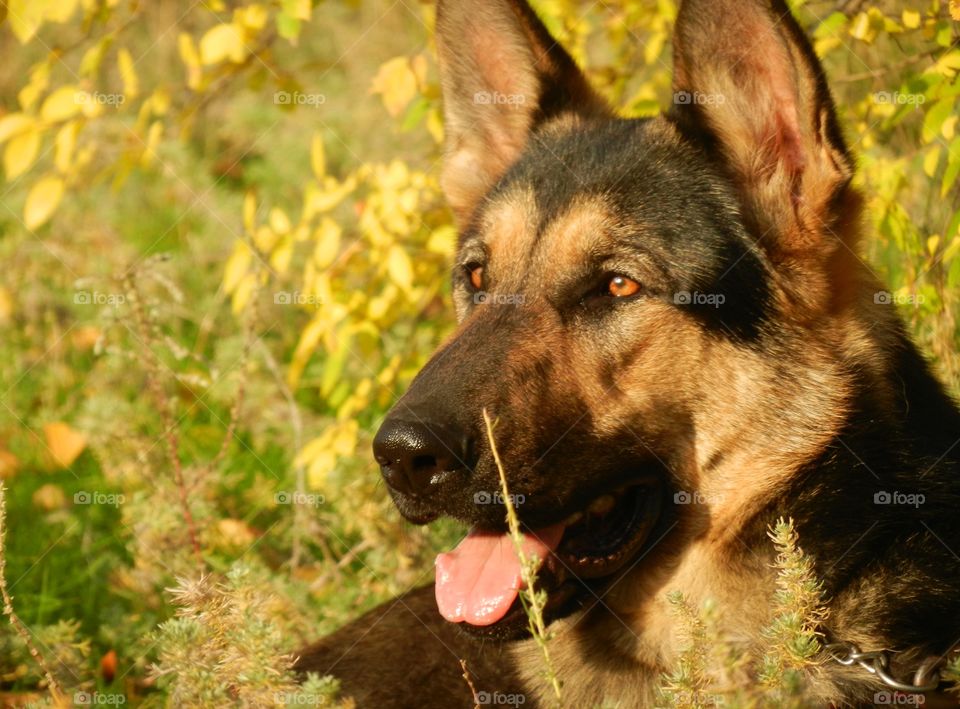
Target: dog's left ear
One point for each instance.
(748, 85)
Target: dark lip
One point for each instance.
(413, 510)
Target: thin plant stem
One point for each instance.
(533, 601)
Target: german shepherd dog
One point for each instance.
(669, 321)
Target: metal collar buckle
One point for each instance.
(925, 679)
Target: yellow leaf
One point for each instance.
(357, 401)
(243, 293)
(955, 9)
(396, 83)
(26, 16)
(12, 124)
(317, 158)
(299, 8)
(93, 57)
(188, 50)
(345, 437)
(948, 64)
(282, 255)
(949, 127)
(39, 80)
(279, 221)
(160, 102)
(933, 243)
(435, 125)
(59, 11)
(379, 305)
(931, 160)
(400, 268)
(911, 19)
(66, 142)
(653, 46)
(191, 58)
(443, 240)
(42, 201)
(64, 443)
(319, 469)
(822, 46)
(61, 105)
(950, 251)
(238, 265)
(418, 65)
(862, 28)
(327, 237)
(128, 74)
(253, 17)
(221, 42)
(249, 211)
(91, 105)
(84, 157)
(309, 339)
(154, 134)
(20, 153)
(6, 307)
(265, 238)
(317, 201)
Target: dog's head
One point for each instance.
(640, 301)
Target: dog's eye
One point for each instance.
(622, 287)
(474, 273)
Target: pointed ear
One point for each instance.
(748, 85)
(502, 76)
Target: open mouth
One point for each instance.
(478, 583)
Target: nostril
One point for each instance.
(425, 463)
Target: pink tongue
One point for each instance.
(478, 581)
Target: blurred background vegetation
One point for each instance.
(225, 254)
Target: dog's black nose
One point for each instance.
(414, 456)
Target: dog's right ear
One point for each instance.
(502, 75)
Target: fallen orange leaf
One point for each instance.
(84, 338)
(108, 666)
(65, 443)
(8, 464)
(49, 497)
(235, 533)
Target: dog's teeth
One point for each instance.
(602, 505)
(573, 519)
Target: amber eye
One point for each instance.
(622, 287)
(475, 273)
